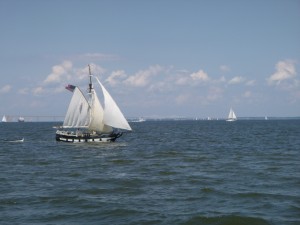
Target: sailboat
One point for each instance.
(231, 116)
(21, 119)
(4, 119)
(141, 119)
(87, 121)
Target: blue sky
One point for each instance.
(157, 58)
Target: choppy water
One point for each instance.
(164, 172)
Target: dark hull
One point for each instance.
(65, 136)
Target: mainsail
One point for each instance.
(96, 123)
(78, 114)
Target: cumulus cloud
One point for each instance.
(116, 77)
(199, 76)
(59, 72)
(141, 78)
(5, 89)
(236, 80)
(77, 74)
(284, 70)
(182, 80)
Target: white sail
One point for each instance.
(231, 116)
(97, 113)
(112, 114)
(234, 116)
(4, 119)
(78, 114)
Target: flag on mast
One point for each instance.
(70, 87)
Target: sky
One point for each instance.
(170, 58)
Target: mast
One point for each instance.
(90, 84)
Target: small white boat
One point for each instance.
(231, 116)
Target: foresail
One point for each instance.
(112, 114)
(78, 115)
(97, 113)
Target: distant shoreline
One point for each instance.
(59, 119)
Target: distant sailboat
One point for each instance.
(97, 122)
(4, 119)
(231, 116)
(141, 119)
(21, 119)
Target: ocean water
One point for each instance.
(164, 172)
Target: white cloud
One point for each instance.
(116, 77)
(78, 74)
(161, 86)
(59, 73)
(5, 89)
(192, 78)
(236, 80)
(200, 75)
(182, 80)
(141, 78)
(284, 70)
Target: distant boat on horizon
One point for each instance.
(141, 119)
(4, 119)
(231, 116)
(21, 119)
